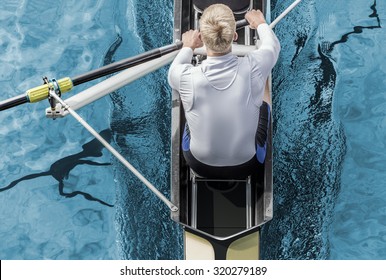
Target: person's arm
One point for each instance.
(179, 66)
(191, 40)
(269, 44)
(268, 52)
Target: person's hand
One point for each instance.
(255, 18)
(192, 39)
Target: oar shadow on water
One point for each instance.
(326, 80)
(327, 47)
(60, 170)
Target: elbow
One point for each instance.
(170, 77)
(277, 51)
(278, 45)
(272, 52)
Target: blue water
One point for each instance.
(55, 202)
(329, 103)
(59, 185)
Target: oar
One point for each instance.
(283, 14)
(64, 85)
(125, 63)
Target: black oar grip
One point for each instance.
(241, 23)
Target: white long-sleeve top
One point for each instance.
(221, 98)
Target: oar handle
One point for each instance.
(241, 23)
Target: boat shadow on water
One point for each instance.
(60, 170)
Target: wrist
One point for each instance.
(187, 49)
(256, 24)
(190, 47)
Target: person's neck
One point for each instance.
(209, 52)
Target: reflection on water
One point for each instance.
(61, 169)
(358, 229)
(38, 155)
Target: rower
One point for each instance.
(222, 99)
(239, 9)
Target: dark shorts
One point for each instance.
(238, 171)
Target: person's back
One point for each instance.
(223, 117)
(222, 97)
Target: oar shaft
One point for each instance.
(14, 101)
(283, 14)
(42, 92)
(125, 63)
(171, 206)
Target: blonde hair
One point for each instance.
(217, 27)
